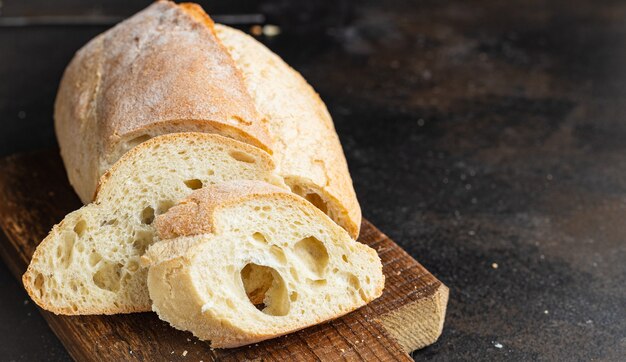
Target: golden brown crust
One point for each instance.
(163, 65)
(74, 115)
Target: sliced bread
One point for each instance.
(89, 263)
(243, 261)
(169, 69)
(160, 71)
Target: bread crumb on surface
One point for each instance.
(494, 265)
(184, 353)
(270, 30)
(256, 30)
(497, 344)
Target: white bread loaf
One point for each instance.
(168, 69)
(89, 263)
(243, 261)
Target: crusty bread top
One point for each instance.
(154, 70)
(161, 68)
(193, 215)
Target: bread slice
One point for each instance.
(243, 261)
(169, 69)
(89, 263)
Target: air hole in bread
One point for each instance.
(259, 237)
(317, 282)
(353, 281)
(94, 258)
(293, 296)
(344, 258)
(135, 141)
(126, 278)
(294, 274)
(38, 283)
(193, 184)
(312, 254)
(317, 201)
(242, 156)
(143, 239)
(65, 249)
(355, 284)
(80, 228)
(108, 276)
(132, 266)
(311, 197)
(112, 222)
(230, 304)
(278, 252)
(265, 289)
(147, 215)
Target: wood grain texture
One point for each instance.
(35, 194)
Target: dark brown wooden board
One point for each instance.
(35, 194)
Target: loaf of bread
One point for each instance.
(90, 262)
(169, 69)
(243, 261)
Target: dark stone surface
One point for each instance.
(477, 133)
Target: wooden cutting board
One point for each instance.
(35, 194)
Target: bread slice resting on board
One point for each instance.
(168, 108)
(243, 261)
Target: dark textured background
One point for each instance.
(477, 133)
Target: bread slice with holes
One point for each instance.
(244, 261)
(89, 263)
(170, 69)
